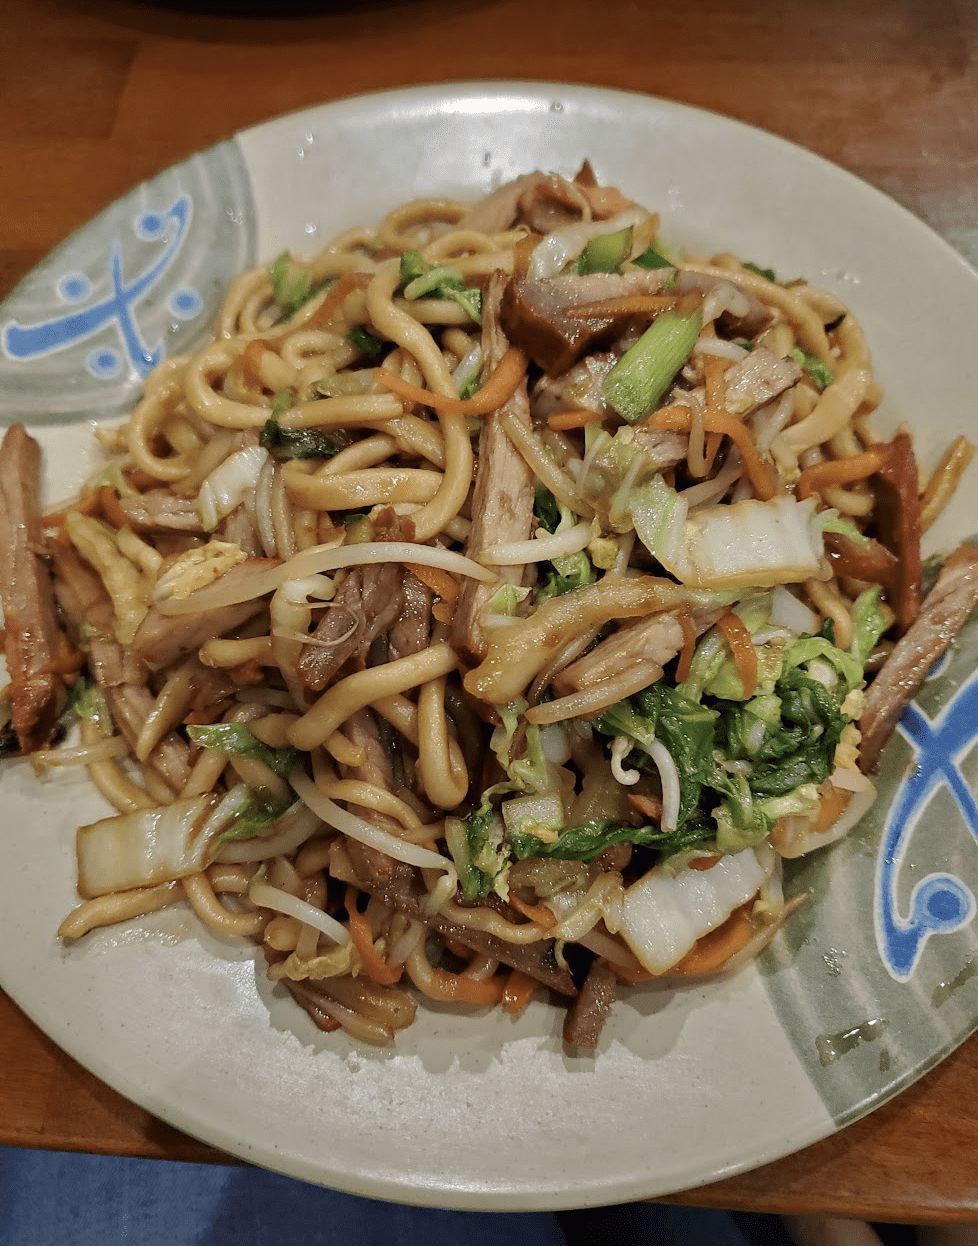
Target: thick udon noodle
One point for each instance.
(406, 457)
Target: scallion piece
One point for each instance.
(814, 367)
(366, 342)
(637, 382)
(606, 253)
(650, 258)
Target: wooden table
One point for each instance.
(96, 95)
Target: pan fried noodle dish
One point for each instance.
(488, 610)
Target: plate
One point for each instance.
(870, 983)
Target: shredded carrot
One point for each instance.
(624, 305)
(334, 300)
(562, 420)
(441, 583)
(689, 646)
(518, 991)
(471, 990)
(648, 806)
(705, 863)
(538, 913)
(69, 663)
(442, 612)
(109, 503)
(678, 418)
(742, 650)
(716, 947)
(945, 480)
(247, 674)
(840, 471)
(833, 802)
(497, 389)
(374, 965)
(249, 361)
(88, 505)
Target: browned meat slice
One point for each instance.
(411, 630)
(498, 211)
(130, 705)
(403, 889)
(897, 518)
(536, 960)
(615, 857)
(239, 530)
(755, 320)
(942, 615)
(159, 510)
(88, 610)
(758, 379)
(650, 642)
(663, 449)
(536, 315)
(586, 1016)
(549, 203)
(861, 560)
(654, 640)
(402, 886)
(304, 994)
(377, 870)
(580, 386)
(161, 638)
(34, 644)
(366, 604)
(502, 504)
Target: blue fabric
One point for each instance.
(51, 1198)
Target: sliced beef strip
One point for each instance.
(657, 639)
(88, 610)
(944, 612)
(411, 630)
(162, 638)
(586, 1016)
(536, 315)
(159, 510)
(502, 504)
(130, 705)
(550, 202)
(367, 602)
(402, 887)
(34, 641)
(499, 210)
(758, 379)
(120, 675)
(239, 529)
(897, 518)
(304, 994)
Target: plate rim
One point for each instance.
(500, 89)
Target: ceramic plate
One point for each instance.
(872, 980)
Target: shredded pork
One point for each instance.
(35, 645)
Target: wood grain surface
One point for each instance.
(95, 96)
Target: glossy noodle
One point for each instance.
(485, 612)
